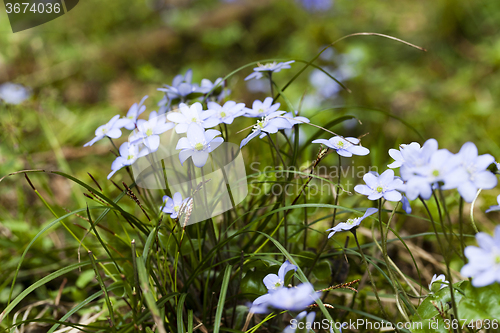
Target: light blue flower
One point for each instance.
(181, 89)
(351, 223)
(441, 278)
(344, 146)
(442, 166)
(268, 125)
(291, 299)
(273, 281)
(307, 320)
(129, 153)
(385, 185)
(173, 206)
(110, 129)
(148, 131)
(272, 67)
(494, 208)
(187, 115)
(316, 5)
(413, 157)
(472, 174)
(135, 111)
(12, 93)
(226, 113)
(198, 144)
(406, 204)
(398, 156)
(484, 261)
(261, 109)
(219, 91)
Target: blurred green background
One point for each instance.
(103, 56)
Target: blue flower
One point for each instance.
(148, 131)
(494, 208)
(441, 278)
(272, 67)
(473, 172)
(129, 153)
(261, 109)
(12, 93)
(187, 115)
(317, 5)
(110, 129)
(226, 113)
(291, 299)
(384, 186)
(441, 167)
(198, 144)
(135, 111)
(173, 206)
(217, 88)
(269, 124)
(344, 146)
(351, 223)
(406, 204)
(273, 281)
(180, 90)
(398, 156)
(484, 261)
(307, 324)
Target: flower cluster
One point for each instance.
(426, 168)
(281, 297)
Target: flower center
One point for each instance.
(149, 132)
(222, 114)
(340, 144)
(177, 207)
(129, 157)
(199, 146)
(435, 173)
(261, 110)
(194, 120)
(379, 189)
(278, 284)
(352, 221)
(496, 259)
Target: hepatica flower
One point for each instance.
(425, 168)
(198, 144)
(135, 111)
(110, 129)
(384, 186)
(181, 89)
(344, 146)
(474, 172)
(274, 282)
(484, 261)
(262, 109)
(294, 120)
(192, 114)
(148, 131)
(317, 5)
(494, 208)
(351, 223)
(272, 67)
(268, 125)
(438, 286)
(173, 206)
(226, 113)
(12, 93)
(291, 299)
(129, 153)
